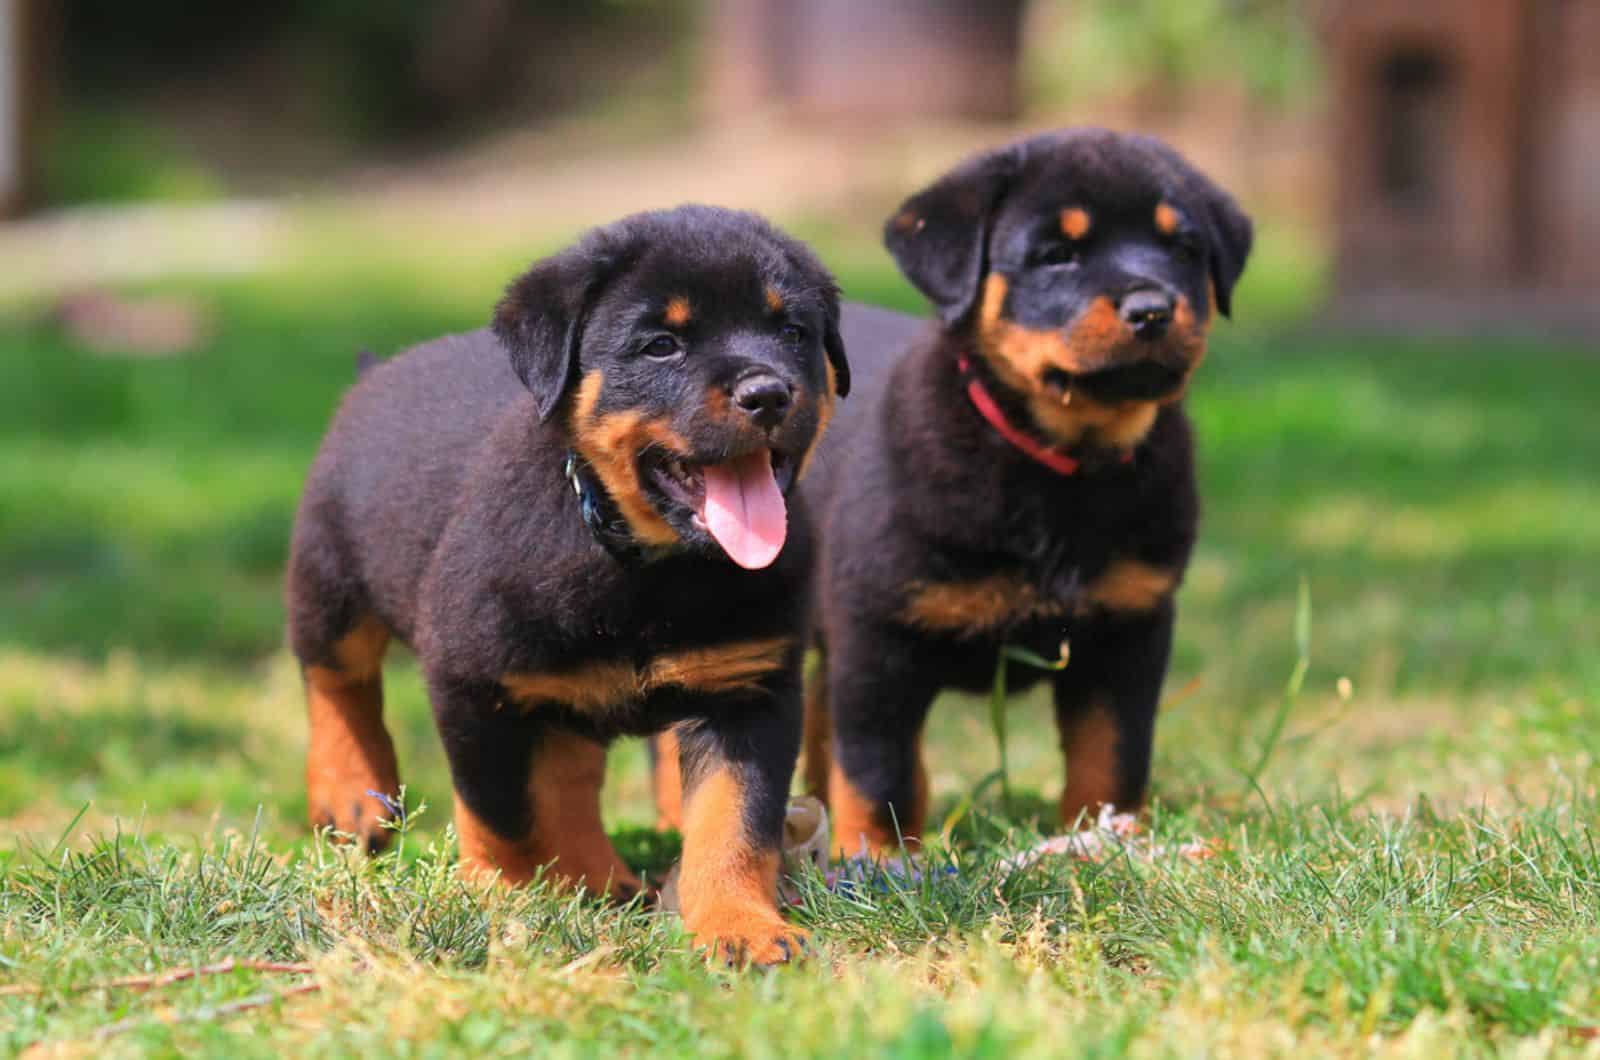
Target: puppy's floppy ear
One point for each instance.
(939, 236)
(833, 344)
(1228, 237)
(539, 321)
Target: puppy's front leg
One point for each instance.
(736, 769)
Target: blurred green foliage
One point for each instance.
(1164, 50)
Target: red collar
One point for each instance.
(984, 402)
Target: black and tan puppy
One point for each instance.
(580, 520)
(1021, 474)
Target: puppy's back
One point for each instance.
(395, 456)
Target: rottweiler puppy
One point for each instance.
(1020, 474)
(582, 521)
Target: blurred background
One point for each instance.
(207, 209)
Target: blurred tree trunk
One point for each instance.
(22, 65)
(884, 58)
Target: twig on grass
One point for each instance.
(174, 975)
(212, 1012)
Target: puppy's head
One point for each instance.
(693, 357)
(1084, 266)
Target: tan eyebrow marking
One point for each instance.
(1167, 218)
(774, 300)
(1075, 222)
(678, 311)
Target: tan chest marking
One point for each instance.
(1129, 585)
(601, 687)
(976, 606)
(981, 606)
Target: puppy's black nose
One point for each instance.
(1148, 310)
(764, 396)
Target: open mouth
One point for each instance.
(1141, 381)
(739, 502)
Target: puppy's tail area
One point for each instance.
(364, 361)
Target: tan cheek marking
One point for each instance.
(976, 607)
(1075, 222)
(825, 405)
(1017, 354)
(1167, 218)
(1020, 356)
(601, 687)
(1129, 585)
(1093, 773)
(774, 300)
(678, 312)
(611, 443)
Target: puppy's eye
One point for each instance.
(662, 348)
(792, 333)
(1185, 251)
(1055, 254)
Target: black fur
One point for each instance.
(439, 503)
(913, 487)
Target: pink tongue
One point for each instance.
(744, 510)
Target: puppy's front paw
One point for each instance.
(742, 936)
(346, 803)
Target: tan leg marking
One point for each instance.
(728, 887)
(817, 734)
(1093, 773)
(856, 819)
(666, 781)
(349, 751)
(568, 835)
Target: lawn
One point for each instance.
(1404, 858)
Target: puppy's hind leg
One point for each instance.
(340, 646)
(527, 793)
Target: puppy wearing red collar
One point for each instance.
(1020, 474)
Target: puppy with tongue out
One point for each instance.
(581, 519)
(744, 510)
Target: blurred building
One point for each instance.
(855, 60)
(1468, 160)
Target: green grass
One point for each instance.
(1415, 875)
